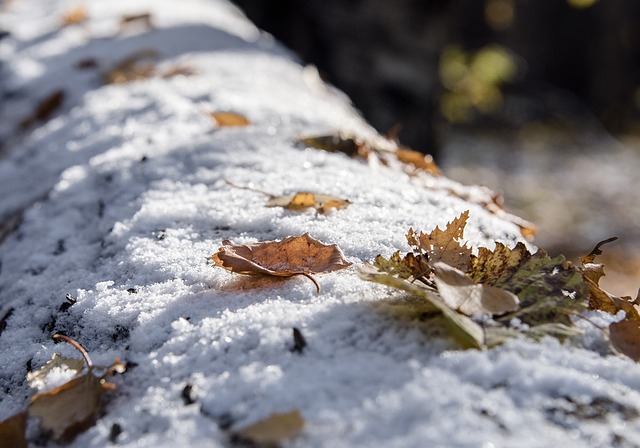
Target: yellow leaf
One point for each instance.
(273, 429)
(74, 16)
(302, 200)
(229, 119)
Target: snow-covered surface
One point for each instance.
(123, 197)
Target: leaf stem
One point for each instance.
(77, 346)
(310, 277)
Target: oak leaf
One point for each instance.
(294, 255)
(444, 245)
(229, 119)
(72, 407)
(302, 200)
(273, 429)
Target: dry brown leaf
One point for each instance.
(497, 265)
(12, 431)
(625, 338)
(295, 255)
(143, 19)
(37, 378)
(45, 108)
(464, 295)
(418, 160)
(136, 67)
(602, 300)
(74, 406)
(226, 119)
(444, 245)
(273, 429)
(346, 144)
(179, 70)
(302, 200)
(75, 16)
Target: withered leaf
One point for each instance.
(294, 255)
(45, 108)
(227, 119)
(625, 338)
(410, 267)
(494, 266)
(75, 16)
(302, 200)
(598, 298)
(462, 294)
(36, 379)
(444, 245)
(138, 66)
(344, 143)
(603, 301)
(12, 431)
(74, 406)
(418, 160)
(273, 429)
(143, 19)
(464, 330)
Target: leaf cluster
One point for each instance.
(485, 297)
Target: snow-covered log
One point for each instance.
(116, 195)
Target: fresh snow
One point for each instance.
(123, 197)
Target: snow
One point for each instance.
(123, 197)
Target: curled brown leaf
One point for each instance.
(295, 255)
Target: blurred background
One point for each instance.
(537, 99)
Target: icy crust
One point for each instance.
(123, 198)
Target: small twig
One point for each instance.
(77, 346)
(255, 190)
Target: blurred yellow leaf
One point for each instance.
(273, 429)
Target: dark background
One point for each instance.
(576, 60)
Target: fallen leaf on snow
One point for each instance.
(302, 200)
(37, 378)
(600, 299)
(625, 338)
(72, 407)
(295, 255)
(135, 67)
(142, 19)
(351, 146)
(462, 294)
(75, 16)
(273, 429)
(418, 160)
(227, 119)
(444, 245)
(45, 108)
